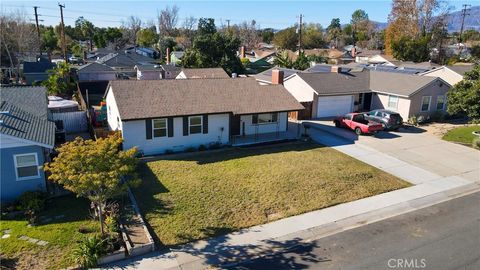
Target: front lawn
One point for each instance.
(205, 194)
(58, 225)
(462, 134)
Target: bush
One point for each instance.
(191, 149)
(412, 120)
(476, 142)
(31, 202)
(438, 116)
(202, 148)
(89, 251)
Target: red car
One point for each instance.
(358, 123)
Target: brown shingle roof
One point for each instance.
(161, 98)
(196, 73)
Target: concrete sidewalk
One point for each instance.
(429, 189)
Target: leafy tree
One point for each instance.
(286, 39)
(302, 62)
(77, 49)
(334, 31)
(475, 52)
(146, 37)
(206, 26)
(411, 49)
(59, 80)
(283, 60)
(313, 37)
(49, 39)
(464, 97)
(99, 40)
(402, 23)
(267, 35)
(86, 28)
(360, 25)
(97, 170)
(164, 43)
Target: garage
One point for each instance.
(329, 106)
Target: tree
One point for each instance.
(49, 39)
(97, 170)
(286, 39)
(464, 97)
(206, 26)
(267, 35)
(131, 28)
(334, 31)
(146, 38)
(313, 36)
(59, 80)
(403, 22)
(475, 52)
(411, 49)
(302, 62)
(167, 20)
(164, 43)
(283, 60)
(86, 29)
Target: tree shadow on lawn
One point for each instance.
(242, 152)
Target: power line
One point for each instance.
(64, 47)
(38, 30)
(464, 14)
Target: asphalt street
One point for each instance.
(443, 236)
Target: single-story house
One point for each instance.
(149, 72)
(125, 62)
(26, 139)
(202, 73)
(451, 74)
(265, 77)
(36, 72)
(148, 52)
(95, 72)
(327, 95)
(162, 115)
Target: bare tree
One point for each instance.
(247, 32)
(131, 26)
(167, 20)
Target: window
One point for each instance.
(360, 98)
(26, 166)
(160, 127)
(266, 118)
(348, 116)
(393, 102)
(195, 124)
(440, 103)
(426, 103)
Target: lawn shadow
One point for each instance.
(244, 151)
(8, 263)
(410, 129)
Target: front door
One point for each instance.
(234, 125)
(367, 101)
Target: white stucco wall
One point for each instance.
(134, 135)
(263, 128)
(380, 101)
(299, 89)
(113, 116)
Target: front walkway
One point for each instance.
(430, 188)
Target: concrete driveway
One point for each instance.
(413, 146)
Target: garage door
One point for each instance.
(334, 106)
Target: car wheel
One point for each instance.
(337, 124)
(358, 131)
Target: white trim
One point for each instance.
(16, 167)
(153, 127)
(24, 141)
(444, 102)
(429, 103)
(201, 124)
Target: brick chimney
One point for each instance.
(242, 52)
(353, 52)
(277, 76)
(336, 69)
(168, 56)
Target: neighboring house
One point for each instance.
(95, 72)
(157, 116)
(331, 94)
(125, 62)
(149, 72)
(450, 74)
(171, 71)
(36, 72)
(26, 139)
(202, 73)
(266, 76)
(148, 52)
(176, 57)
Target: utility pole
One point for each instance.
(464, 14)
(38, 31)
(228, 24)
(64, 47)
(300, 33)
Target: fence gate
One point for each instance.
(73, 122)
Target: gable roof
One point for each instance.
(337, 83)
(94, 67)
(266, 76)
(125, 60)
(164, 98)
(196, 73)
(398, 83)
(37, 67)
(461, 69)
(31, 99)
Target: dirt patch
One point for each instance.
(41, 259)
(440, 129)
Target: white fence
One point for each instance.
(73, 122)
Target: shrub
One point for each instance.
(476, 142)
(31, 202)
(111, 221)
(191, 149)
(412, 120)
(423, 119)
(89, 251)
(202, 147)
(438, 116)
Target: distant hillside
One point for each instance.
(380, 25)
(472, 21)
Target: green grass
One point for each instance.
(61, 233)
(462, 134)
(206, 194)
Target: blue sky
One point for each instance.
(276, 14)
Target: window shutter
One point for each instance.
(205, 123)
(254, 118)
(274, 117)
(185, 126)
(148, 128)
(170, 126)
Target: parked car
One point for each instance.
(390, 120)
(358, 123)
(75, 60)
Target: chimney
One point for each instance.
(353, 52)
(277, 76)
(168, 56)
(336, 69)
(242, 52)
